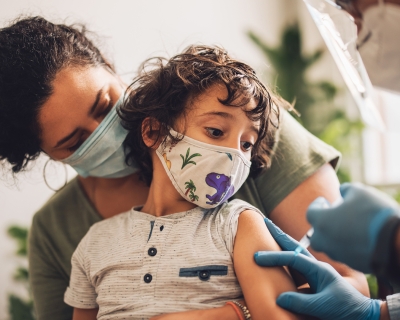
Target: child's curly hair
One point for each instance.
(165, 88)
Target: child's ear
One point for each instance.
(151, 132)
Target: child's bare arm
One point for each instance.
(85, 314)
(220, 313)
(261, 286)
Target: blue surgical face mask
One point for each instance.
(102, 154)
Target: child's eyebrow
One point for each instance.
(255, 129)
(224, 115)
(227, 115)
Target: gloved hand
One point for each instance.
(334, 297)
(348, 232)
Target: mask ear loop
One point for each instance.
(46, 182)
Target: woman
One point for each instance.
(55, 89)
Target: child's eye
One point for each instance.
(214, 133)
(247, 146)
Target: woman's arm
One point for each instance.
(85, 314)
(290, 216)
(261, 286)
(46, 281)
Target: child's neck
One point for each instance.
(163, 198)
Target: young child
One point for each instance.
(196, 123)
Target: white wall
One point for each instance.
(131, 31)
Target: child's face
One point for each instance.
(208, 120)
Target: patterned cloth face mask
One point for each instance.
(202, 173)
(102, 154)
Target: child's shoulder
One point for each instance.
(228, 214)
(227, 220)
(236, 207)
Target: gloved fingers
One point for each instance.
(345, 188)
(319, 242)
(308, 266)
(349, 189)
(357, 193)
(274, 258)
(286, 242)
(316, 208)
(296, 302)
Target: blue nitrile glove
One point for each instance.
(348, 232)
(333, 298)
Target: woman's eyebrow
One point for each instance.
(96, 101)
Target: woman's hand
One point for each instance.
(220, 313)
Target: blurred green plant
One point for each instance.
(289, 68)
(373, 286)
(396, 196)
(289, 72)
(19, 308)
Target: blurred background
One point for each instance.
(276, 37)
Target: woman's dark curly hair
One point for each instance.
(32, 51)
(164, 88)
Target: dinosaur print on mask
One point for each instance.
(222, 184)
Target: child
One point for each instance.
(194, 124)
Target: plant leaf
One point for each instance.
(194, 155)
(21, 274)
(20, 309)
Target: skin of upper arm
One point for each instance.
(290, 216)
(261, 286)
(85, 314)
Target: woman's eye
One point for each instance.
(107, 109)
(214, 133)
(246, 145)
(75, 146)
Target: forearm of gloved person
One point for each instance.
(385, 260)
(332, 297)
(355, 231)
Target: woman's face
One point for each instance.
(81, 98)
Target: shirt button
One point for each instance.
(147, 278)
(204, 275)
(152, 252)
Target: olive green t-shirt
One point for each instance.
(61, 223)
